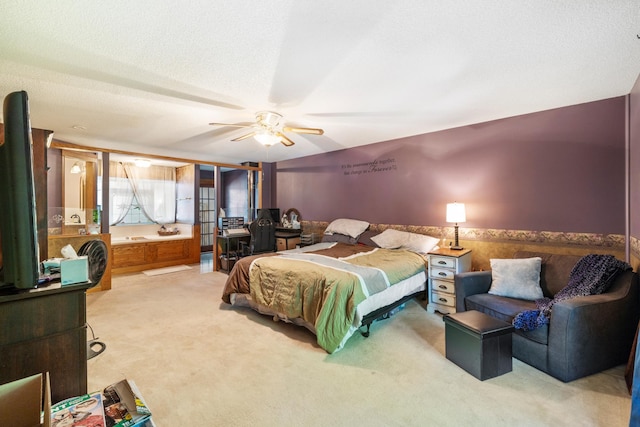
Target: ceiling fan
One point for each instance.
(269, 129)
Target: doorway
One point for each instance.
(207, 210)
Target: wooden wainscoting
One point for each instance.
(147, 255)
(498, 243)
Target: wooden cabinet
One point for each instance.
(128, 255)
(168, 251)
(284, 243)
(287, 238)
(444, 264)
(44, 330)
(138, 256)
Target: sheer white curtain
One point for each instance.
(120, 191)
(155, 189)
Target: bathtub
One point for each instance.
(127, 234)
(139, 248)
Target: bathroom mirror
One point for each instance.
(80, 187)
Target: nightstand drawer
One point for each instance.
(443, 299)
(441, 273)
(443, 286)
(443, 262)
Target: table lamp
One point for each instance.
(456, 214)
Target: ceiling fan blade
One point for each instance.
(301, 71)
(240, 138)
(235, 125)
(310, 131)
(285, 141)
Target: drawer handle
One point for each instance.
(442, 286)
(442, 273)
(442, 299)
(441, 262)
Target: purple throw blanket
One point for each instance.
(592, 275)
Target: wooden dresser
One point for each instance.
(45, 330)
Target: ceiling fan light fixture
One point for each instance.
(267, 138)
(269, 129)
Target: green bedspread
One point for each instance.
(325, 291)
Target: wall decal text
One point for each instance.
(375, 166)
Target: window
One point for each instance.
(207, 216)
(142, 195)
(135, 214)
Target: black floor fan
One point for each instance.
(96, 253)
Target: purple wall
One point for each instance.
(54, 183)
(268, 185)
(634, 172)
(234, 198)
(556, 170)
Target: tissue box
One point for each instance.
(74, 270)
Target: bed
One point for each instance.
(333, 288)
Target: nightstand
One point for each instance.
(443, 265)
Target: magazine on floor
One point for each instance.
(117, 405)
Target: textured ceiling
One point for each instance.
(149, 75)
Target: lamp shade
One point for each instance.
(267, 138)
(456, 212)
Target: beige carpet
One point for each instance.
(201, 363)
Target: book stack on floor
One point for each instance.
(117, 405)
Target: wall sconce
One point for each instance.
(75, 169)
(456, 213)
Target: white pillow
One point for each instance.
(516, 278)
(420, 243)
(350, 227)
(389, 239)
(395, 239)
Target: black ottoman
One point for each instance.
(478, 343)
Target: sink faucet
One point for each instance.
(76, 218)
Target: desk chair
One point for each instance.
(263, 236)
